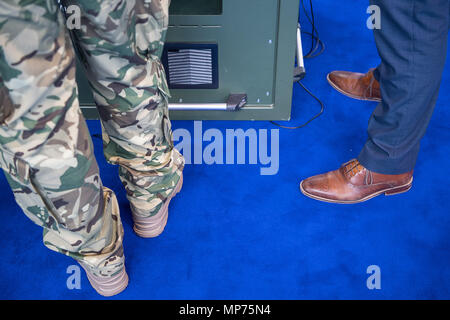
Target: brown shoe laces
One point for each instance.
(370, 86)
(352, 168)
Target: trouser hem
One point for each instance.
(372, 161)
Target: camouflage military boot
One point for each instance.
(153, 226)
(108, 277)
(108, 287)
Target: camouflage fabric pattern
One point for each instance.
(124, 39)
(45, 148)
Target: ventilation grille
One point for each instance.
(190, 67)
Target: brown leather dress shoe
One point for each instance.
(352, 183)
(356, 85)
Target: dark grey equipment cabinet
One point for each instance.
(253, 46)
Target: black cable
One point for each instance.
(315, 38)
(316, 43)
(313, 28)
(319, 42)
(322, 108)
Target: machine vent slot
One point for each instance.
(191, 66)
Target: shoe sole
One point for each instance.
(349, 94)
(152, 227)
(387, 192)
(108, 287)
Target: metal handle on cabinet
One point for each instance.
(235, 102)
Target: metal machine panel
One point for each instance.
(256, 43)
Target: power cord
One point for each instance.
(315, 38)
(316, 43)
(319, 42)
(322, 108)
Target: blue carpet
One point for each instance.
(235, 234)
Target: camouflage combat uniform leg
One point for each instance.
(120, 44)
(45, 147)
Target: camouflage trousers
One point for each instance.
(46, 151)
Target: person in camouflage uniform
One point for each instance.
(46, 151)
